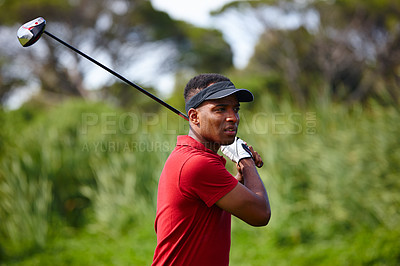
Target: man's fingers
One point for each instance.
(256, 157)
(258, 161)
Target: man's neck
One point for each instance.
(208, 144)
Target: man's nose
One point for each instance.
(232, 116)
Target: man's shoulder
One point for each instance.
(186, 155)
(202, 163)
(192, 154)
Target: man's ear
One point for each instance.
(193, 115)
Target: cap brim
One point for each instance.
(242, 95)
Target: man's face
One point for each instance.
(218, 120)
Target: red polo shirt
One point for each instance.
(190, 228)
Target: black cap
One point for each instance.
(217, 91)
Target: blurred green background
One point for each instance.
(81, 156)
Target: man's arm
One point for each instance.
(248, 201)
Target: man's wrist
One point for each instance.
(246, 162)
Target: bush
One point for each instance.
(331, 173)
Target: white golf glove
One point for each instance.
(236, 151)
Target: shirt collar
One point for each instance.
(186, 140)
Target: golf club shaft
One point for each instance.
(119, 76)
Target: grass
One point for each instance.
(71, 247)
(78, 183)
(250, 246)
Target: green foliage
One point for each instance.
(12, 11)
(348, 54)
(124, 33)
(79, 180)
(216, 54)
(332, 177)
(25, 206)
(68, 247)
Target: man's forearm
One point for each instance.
(253, 181)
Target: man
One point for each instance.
(196, 194)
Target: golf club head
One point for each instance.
(31, 31)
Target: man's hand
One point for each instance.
(236, 151)
(239, 150)
(257, 161)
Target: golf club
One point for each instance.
(30, 33)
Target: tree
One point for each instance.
(120, 34)
(352, 53)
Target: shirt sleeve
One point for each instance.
(205, 178)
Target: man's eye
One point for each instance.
(221, 109)
(236, 109)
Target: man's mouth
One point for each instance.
(230, 131)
